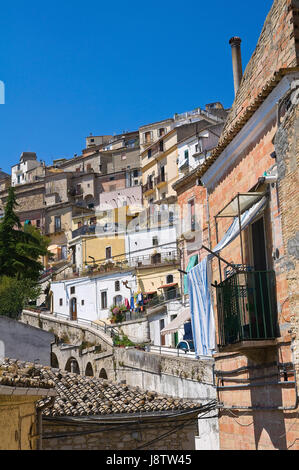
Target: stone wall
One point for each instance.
(136, 330)
(132, 438)
(287, 151)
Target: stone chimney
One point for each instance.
(235, 43)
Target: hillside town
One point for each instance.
(167, 307)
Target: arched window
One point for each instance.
(72, 366)
(89, 370)
(103, 374)
(54, 361)
(169, 279)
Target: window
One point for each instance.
(57, 222)
(186, 153)
(117, 300)
(124, 156)
(117, 286)
(82, 302)
(91, 140)
(161, 131)
(169, 279)
(162, 172)
(147, 137)
(161, 146)
(73, 290)
(108, 252)
(191, 205)
(104, 299)
(155, 241)
(60, 302)
(79, 224)
(135, 173)
(38, 223)
(149, 153)
(112, 178)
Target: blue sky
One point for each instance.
(73, 67)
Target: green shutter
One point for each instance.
(192, 262)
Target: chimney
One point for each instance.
(235, 43)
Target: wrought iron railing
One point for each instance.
(247, 309)
(167, 296)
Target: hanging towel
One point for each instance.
(201, 309)
(127, 304)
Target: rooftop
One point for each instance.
(86, 396)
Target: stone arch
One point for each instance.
(89, 370)
(103, 374)
(72, 366)
(54, 361)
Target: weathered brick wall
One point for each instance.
(287, 150)
(192, 246)
(264, 427)
(276, 49)
(129, 439)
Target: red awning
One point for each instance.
(168, 285)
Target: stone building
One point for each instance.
(251, 180)
(88, 410)
(21, 388)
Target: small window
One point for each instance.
(186, 154)
(117, 286)
(169, 279)
(155, 241)
(57, 223)
(38, 223)
(72, 290)
(104, 299)
(60, 302)
(82, 302)
(108, 252)
(161, 146)
(149, 153)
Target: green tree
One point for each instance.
(20, 249)
(15, 294)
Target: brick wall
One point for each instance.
(276, 48)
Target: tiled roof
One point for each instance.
(87, 396)
(18, 374)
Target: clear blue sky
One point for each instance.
(73, 67)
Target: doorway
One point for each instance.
(73, 309)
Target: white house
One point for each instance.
(141, 245)
(20, 172)
(90, 297)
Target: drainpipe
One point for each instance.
(235, 43)
(39, 412)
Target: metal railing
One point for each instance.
(104, 328)
(167, 296)
(247, 309)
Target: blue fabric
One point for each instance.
(192, 262)
(201, 309)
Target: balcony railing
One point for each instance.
(247, 309)
(167, 296)
(84, 230)
(147, 187)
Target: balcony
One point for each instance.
(167, 296)
(247, 310)
(84, 230)
(148, 187)
(160, 180)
